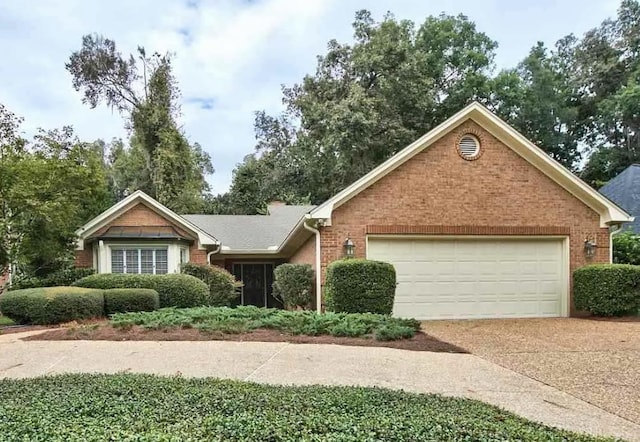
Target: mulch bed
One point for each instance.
(104, 332)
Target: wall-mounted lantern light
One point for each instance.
(590, 247)
(348, 248)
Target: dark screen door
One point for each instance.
(254, 281)
(258, 280)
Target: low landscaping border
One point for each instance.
(248, 323)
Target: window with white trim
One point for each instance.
(184, 257)
(151, 260)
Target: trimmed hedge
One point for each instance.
(607, 289)
(359, 286)
(293, 285)
(222, 284)
(52, 305)
(174, 290)
(626, 248)
(130, 300)
(60, 278)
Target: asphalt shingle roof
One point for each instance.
(624, 190)
(252, 232)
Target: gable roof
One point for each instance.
(244, 233)
(132, 200)
(624, 190)
(609, 212)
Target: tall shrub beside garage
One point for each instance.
(360, 286)
(607, 289)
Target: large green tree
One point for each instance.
(48, 188)
(368, 99)
(542, 100)
(607, 63)
(144, 90)
(365, 102)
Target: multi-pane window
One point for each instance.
(161, 261)
(131, 261)
(146, 261)
(141, 260)
(117, 261)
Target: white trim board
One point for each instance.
(609, 212)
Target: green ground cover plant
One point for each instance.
(245, 318)
(82, 407)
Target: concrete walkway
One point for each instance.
(302, 364)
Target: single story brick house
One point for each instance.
(478, 222)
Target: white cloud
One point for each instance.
(230, 56)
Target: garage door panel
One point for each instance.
(474, 278)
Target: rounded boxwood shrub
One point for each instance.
(607, 289)
(130, 300)
(359, 286)
(174, 290)
(293, 285)
(222, 284)
(178, 290)
(52, 305)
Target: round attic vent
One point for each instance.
(469, 147)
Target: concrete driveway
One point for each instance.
(595, 360)
(281, 363)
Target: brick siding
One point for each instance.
(306, 254)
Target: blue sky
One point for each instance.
(230, 56)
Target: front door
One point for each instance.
(258, 280)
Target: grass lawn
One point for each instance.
(5, 321)
(145, 407)
(246, 318)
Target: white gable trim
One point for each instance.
(132, 200)
(608, 211)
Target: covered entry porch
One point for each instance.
(257, 280)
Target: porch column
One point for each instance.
(102, 258)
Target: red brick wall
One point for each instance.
(306, 254)
(438, 192)
(196, 255)
(84, 258)
(138, 215)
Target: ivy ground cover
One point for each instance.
(149, 408)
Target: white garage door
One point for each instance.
(475, 278)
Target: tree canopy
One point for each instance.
(579, 101)
(144, 90)
(49, 186)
